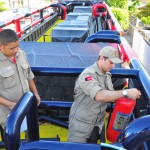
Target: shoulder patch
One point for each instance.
(88, 78)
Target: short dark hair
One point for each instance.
(8, 36)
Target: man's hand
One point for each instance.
(11, 105)
(38, 99)
(34, 90)
(133, 93)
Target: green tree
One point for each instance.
(2, 8)
(144, 14)
(122, 15)
(146, 20)
(132, 7)
(118, 3)
(120, 10)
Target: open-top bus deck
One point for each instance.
(58, 47)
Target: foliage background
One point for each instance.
(2, 8)
(122, 16)
(120, 10)
(144, 14)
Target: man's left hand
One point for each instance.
(38, 99)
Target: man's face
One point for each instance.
(10, 49)
(107, 65)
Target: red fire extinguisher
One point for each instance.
(119, 117)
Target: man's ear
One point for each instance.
(0, 47)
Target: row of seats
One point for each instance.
(76, 27)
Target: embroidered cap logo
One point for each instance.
(117, 54)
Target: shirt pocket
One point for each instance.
(84, 121)
(8, 79)
(25, 68)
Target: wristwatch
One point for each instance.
(124, 93)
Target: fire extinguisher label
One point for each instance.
(121, 120)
